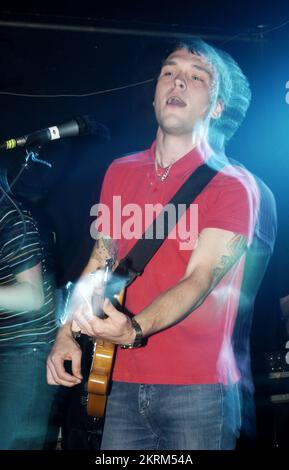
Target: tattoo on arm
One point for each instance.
(104, 249)
(235, 248)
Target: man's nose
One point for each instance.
(180, 81)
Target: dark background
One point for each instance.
(76, 48)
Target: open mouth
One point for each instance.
(176, 101)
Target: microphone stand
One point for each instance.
(32, 154)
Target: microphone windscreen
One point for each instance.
(88, 125)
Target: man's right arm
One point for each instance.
(103, 249)
(65, 346)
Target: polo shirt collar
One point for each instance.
(187, 163)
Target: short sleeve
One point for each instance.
(20, 244)
(232, 204)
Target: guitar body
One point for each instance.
(99, 377)
(99, 356)
(101, 369)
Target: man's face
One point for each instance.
(183, 92)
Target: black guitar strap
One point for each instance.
(145, 248)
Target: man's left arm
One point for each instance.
(216, 252)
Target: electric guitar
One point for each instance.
(112, 287)
(103, 350)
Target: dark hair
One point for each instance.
(231, 88)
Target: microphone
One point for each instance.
(81, 125)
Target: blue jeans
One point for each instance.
(171, 417)
(25, 398)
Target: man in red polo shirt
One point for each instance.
(180, 390)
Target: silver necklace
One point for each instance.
(165, 174)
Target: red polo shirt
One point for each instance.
(198, 349)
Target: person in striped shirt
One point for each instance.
(27, 326)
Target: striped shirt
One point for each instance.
(21, 249)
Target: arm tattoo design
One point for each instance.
(235, 248)
(104, 249)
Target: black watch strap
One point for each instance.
(138, 341)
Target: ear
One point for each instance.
(217, 111)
